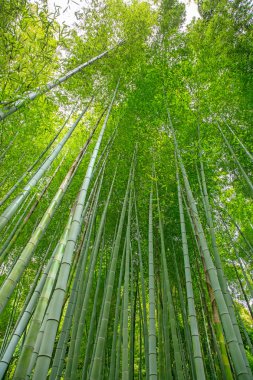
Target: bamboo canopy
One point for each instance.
(126, 191)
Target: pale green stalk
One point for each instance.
(243, 291)
(31, 167)
(45, 88)
(105, 311)
(26, 255)
(116, 320)
(6, 336)
(168, 362)
(117, 369)
(8, 146)
(240, 366)
(37, 319)
(23, 322)
(217, 259)
(172, 316)
(240, 142)
(245, 176)
(125, 356)
(57, 301)
(61, 348)
(5, 246)
(15, 204)
(86, 296)
(82, 283)
(151, 288)
(23, 220)
(143, 294)
(92, 323)
(133, 318)
(197, 353)
(160, 346)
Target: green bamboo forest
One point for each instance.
(126, 186)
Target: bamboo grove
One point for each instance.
(126, 192)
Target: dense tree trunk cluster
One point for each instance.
(126, 193)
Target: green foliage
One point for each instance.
(29, 45)
(202, 75)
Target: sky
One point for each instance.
(191, 10)
(69, 7)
